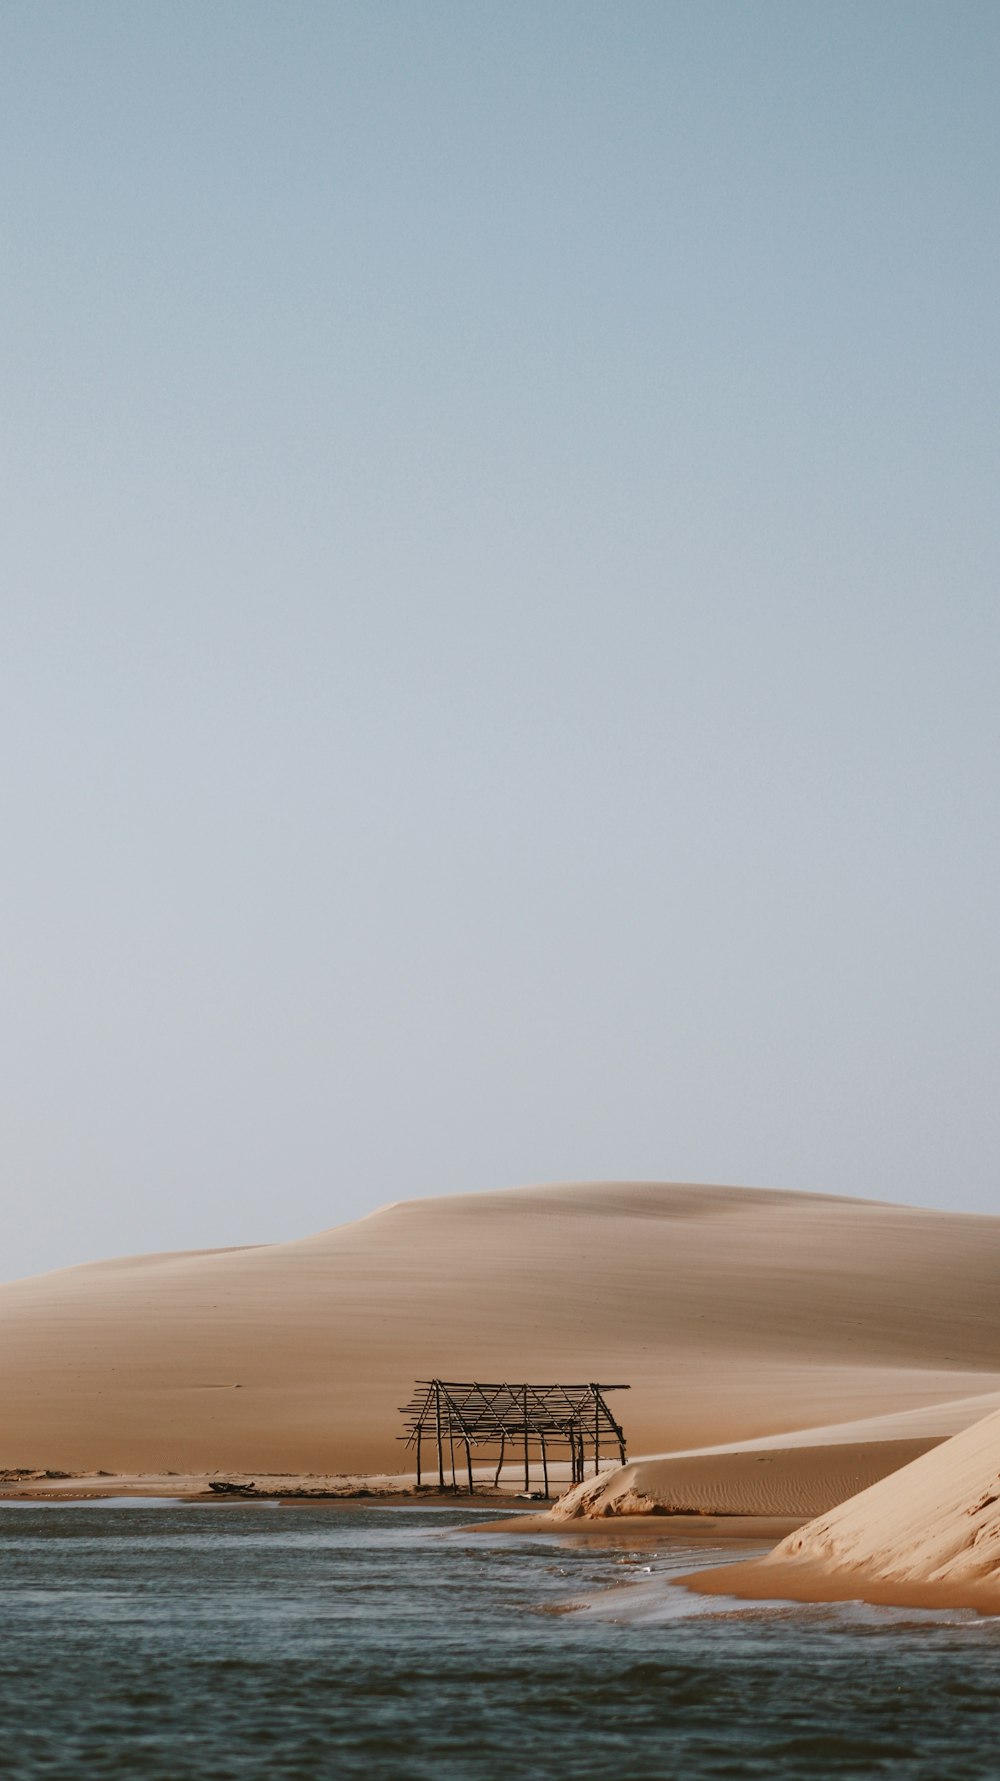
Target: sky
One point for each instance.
(499, 644)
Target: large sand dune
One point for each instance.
(734, 1314)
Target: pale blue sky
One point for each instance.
(500, 638)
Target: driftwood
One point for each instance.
(225, 1487)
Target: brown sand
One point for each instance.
(755, 1580)
(734, 1314)
(794, 1481)
(800, 1473)
(928, 1536)
(643, 1530)
(86, 1486)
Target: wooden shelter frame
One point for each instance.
(535, 1420)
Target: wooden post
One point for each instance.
(527, 1467)
(437, 1417)
(503, 1449)
(597, 1430)
(468, 1465)
(418, 1456)
(545, 1470)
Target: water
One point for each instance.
(233, 1642)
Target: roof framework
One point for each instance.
(537, 1423)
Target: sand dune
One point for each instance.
(924, 1426)
(928, 1535)
(734, 1314)
(797, 1474)
(793, 1481)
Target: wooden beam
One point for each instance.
(437, 1416)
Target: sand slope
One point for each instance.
(797, 1474)
(733, 1314)
(796, 1481)
(928, 1534)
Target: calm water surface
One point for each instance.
(248, 1641)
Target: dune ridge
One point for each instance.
(735, 1315)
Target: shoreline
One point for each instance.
(610, 1530)
(507, 1514)
(760, 1580)
(237, 1488)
